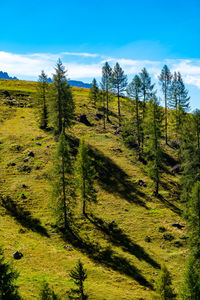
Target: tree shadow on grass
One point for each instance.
(23, 216)
(118, 238)
(105, 256)
(111, 177)
(170, 205)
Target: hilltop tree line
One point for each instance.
(147, 131)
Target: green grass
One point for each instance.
(119, 263)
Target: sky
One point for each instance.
(85, 34)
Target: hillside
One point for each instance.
(121, 244)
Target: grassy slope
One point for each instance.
(127, 263)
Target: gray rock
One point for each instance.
(177, 225)
(161, 229)
(17, 255)
(31, 154)
(38, 144)
(168, 236)
(23, 196)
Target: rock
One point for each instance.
(18, 147)
(21, 230)
(177, 225)
(178, 244)
(24, 186)
(99, 116)
(22, 168)
(17, 255)
(147, 239)
(6, 93)
(175, 144)
(67, 247)
(161, 229)
(176, 169)
(118, 130)
(38, 144)
(23, 196)
(168, 236)
(31, 154)
(83, 119)
(26, 159)
(37, 167)
(117, 149)
(141, 183)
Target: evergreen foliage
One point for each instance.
(190, 289)
(94, 93)
(62, 183)
(46, 293)
(134, 92)
(165, 81)
(119, 83)
(164, 285)
(85, 174)
(153, 129)
(106, 85)
(78, 275)
(62, 104)
(8, 289)
(42, 93)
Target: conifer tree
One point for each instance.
(190, 289)
(119, 82)
(196, 119)
(8, 289)
(134, 92)
(165, 81)
(78, 275)
(179, 100)
(62, 104)
(106, 85)
(146, 93)
(62, 183)
(94, 93)
(153, 129)
(46, 293)
(164, 285)
(85, 175)
(42, 92)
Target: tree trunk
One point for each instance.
(64, 194)
(119, 111)
(166, 138)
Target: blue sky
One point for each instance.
(87, 33)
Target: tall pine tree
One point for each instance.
(134, 92)
(42, 94)
(85, 174)
(119, 82)
(153, 129)
(62, 104)
(94, 93)
(165, 81)
(62, 182)
(106, 85)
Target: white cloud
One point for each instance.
(29, 66)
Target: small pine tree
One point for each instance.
(164, 285)
(8, 289)
(94, 93)
(190, 289)
(46, 293)
(78, 276)
(62, 104)
(62, 179)
(165, 81)
(153, 129)
(106, 85)
(85, 174)
(119, 83)
(134, 92)
(196, 120)
(42, 91)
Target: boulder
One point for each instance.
(17, 255)
(118, 130)
(175, 144)
(176, 169)
(38, 144)
(168, 236)
(161, 229)
(141, 183)
(31, 154)
(83, 119)
(178, 244)
(23, 196)
(177, 225)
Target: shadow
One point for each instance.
(114, 180)
(110, 112)
(110, 176)
(170, 205)
(169, 160)
(23, 217)
(106, 257)
(118, 238)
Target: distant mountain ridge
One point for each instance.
(4, 75)
(76, 83)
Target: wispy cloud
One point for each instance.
(29, 66)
